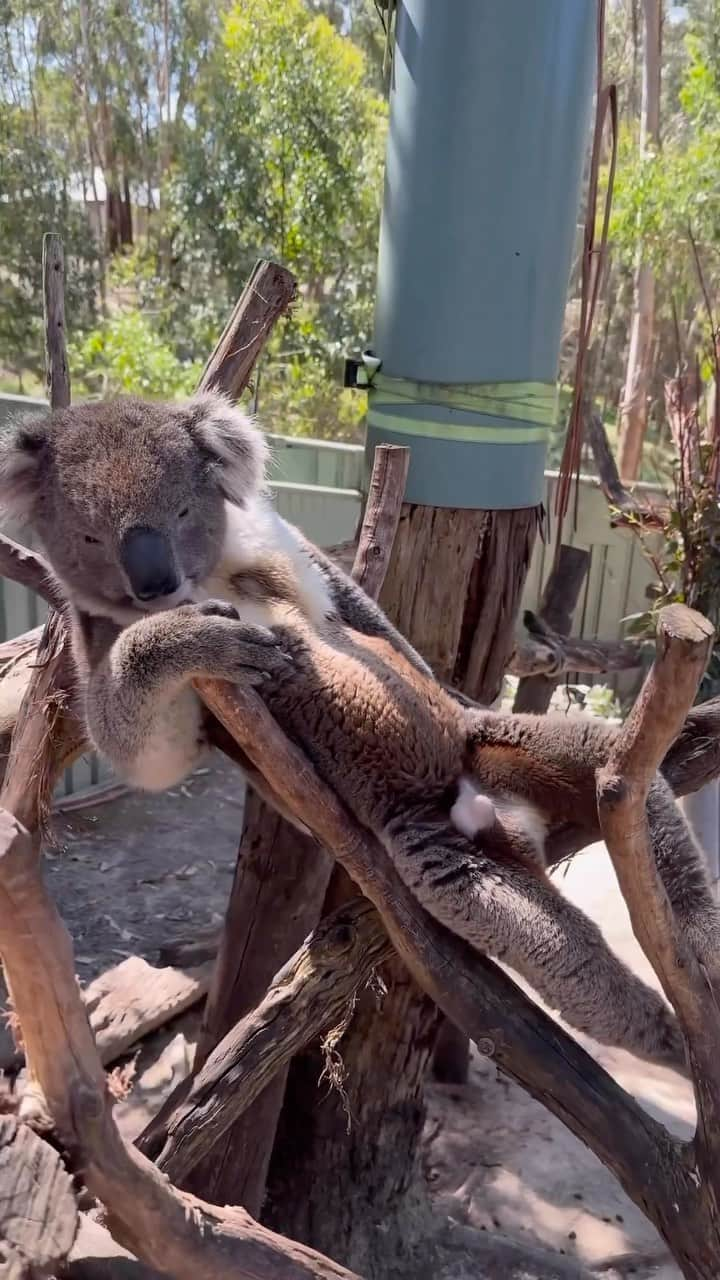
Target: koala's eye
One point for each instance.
(93, 541)
(182, 514)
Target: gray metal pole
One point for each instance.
(489, 123)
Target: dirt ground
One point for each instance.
(141, 871)
(515, 1195)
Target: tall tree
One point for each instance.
(634, 408)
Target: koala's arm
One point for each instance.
(141, 711)
(358, 611)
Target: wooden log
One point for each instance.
(314, 992)
(556, 612)
(379, 525)
(267, 295)
(277, 898)
(134, 998)
(501, 561)
(131, 1000)
(280, 881)
(302, 867)
(38, 1210)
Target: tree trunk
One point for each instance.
(281, 875)
(453, 588)
(126, 225)
(634, 408)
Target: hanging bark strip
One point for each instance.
(591, 274)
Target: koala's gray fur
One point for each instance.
(343, 685)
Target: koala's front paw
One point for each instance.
(230, 649)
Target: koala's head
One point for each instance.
(128, 497)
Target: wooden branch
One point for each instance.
(630, 510)
(30, 569)
(38, 1210)
(474, 994)
(687, 967)
(552, 656)
(47, 735)
(311, 994)
(181, 1236)
(267, 295)
(57, 374)
(684, 643)
(560, 597)
(382, 516)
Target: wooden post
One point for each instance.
(57, 374)
(332, 1182)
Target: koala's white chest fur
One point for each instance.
(173, 748)
(253, 534)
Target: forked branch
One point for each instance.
(688, 970)
(477, 996)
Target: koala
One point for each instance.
(156, 524)
(146, 508)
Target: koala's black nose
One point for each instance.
(149, 563)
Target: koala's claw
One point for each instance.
(218, 609)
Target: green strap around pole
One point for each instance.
(445, 425)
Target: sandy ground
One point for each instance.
(134, 874)
(498, 1160)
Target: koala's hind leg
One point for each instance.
(684, 873)
(517, 916)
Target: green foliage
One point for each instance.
(293, 136)
(244, 129)
(125, 355)
(687, 562)
(660, 197)
(32, 200)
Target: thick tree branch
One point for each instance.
(312, 993)
(178, 1234)
(559, 599)
(31, 570)
(267, 295)
(688, 975)
(686, 966)
(550, 654)
(57, 373)
(628, 508)
(477, 996)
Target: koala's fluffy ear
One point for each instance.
(23, 448)
(232, 441)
